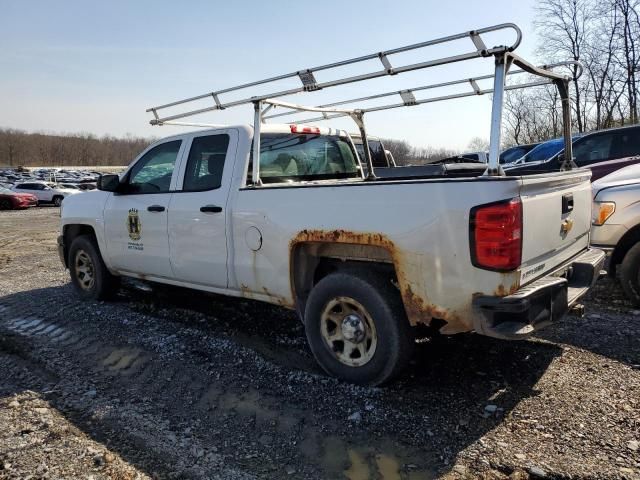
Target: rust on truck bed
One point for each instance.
(419, 309)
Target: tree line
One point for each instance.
(604, 35)
(19, 148)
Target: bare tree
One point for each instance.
(39, 149)
(605, 36)
(564, 25)
(478, 144)
(629, 32)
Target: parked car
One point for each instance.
(616, 226)
(516, 152)
(621, 145)
(10, 200)
(542, 152)
(68, 186)
(602, 169)
(45, 192)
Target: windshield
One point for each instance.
(302, 157)
(512, 154)
(544, 150)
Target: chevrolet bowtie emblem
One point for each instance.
(566, 226)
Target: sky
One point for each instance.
(80, 66)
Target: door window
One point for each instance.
(626, 144)
(205, 163)
(593, 149)
(152, 173)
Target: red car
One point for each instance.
(10, 199)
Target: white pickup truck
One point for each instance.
(362, 260)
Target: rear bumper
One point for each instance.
(541, 302)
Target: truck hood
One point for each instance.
(625, 176)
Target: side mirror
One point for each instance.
(108, 183)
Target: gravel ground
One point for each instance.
(169, 383)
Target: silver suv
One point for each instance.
(616, 226)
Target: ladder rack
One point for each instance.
(503, 57)
(310, 84)
(408, 98)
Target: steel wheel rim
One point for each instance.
(84, 270)
(348, 331)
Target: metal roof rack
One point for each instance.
(503, 55)
(408, 98)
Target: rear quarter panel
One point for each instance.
(423, 224)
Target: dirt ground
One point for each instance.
(169, 383)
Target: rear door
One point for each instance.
(198, 210)
(135, 217)
(556, 211)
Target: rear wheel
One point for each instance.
(630, 274)
(57, 200)
(89, 275)
(5, 204)
(357, 329)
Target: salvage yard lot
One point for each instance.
(176, 384)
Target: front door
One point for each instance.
(198, 210)
(136, 215)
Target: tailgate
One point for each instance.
(556, 211)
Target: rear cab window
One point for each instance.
(290, 158)
(378, 156)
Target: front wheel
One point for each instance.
(357, 329)
(57, 201)
(630, 274)
(89, 275)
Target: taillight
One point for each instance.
(303, 129)
(495, 235)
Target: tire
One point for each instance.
(57, 200)
(630, 274)
(89, 275)
(379, 314)
(5, 204)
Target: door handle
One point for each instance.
(211, 209)
(156, 208)
(567, 203)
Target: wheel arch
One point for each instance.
(312, 261)
(72, 231)
(628, 240)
